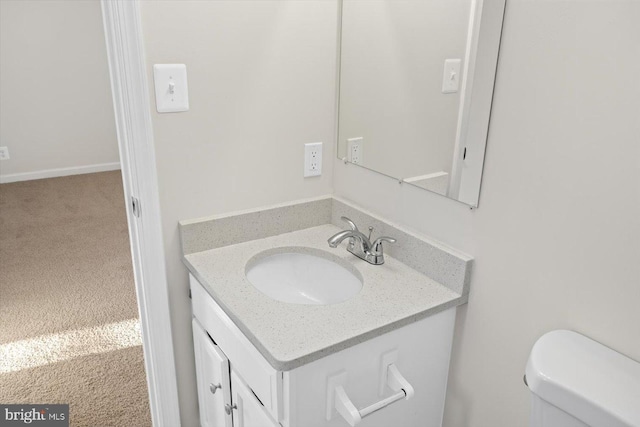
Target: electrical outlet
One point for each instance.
(4, 153)
(313, 159)
(355, 150)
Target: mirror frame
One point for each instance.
(481, 63)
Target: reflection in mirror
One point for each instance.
(416, 80)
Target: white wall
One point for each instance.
(391, 82)
(55, 97)
(556, 237)
(261, 84)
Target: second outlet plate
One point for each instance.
(313, 159)
(355, 152)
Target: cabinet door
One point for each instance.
(212, 371)
(248, 411)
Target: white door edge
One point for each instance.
(127, 68)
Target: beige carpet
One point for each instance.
(69, 330)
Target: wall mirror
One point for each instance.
(416, 85)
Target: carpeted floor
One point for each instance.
(69, 329)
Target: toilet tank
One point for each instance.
(577, 382)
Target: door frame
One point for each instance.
(130, 91)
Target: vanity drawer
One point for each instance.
(260, 376)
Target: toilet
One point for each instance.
(577, 382)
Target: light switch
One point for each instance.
(451, 76)
(172, 93)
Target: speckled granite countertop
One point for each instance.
(291, 335)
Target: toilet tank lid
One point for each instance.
(591, 382)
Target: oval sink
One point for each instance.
(309, 277)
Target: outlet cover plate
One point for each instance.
(313, 159)
(355, 150)
(4, 153)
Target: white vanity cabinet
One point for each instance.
(214, 386)
(224, 399)
(396, 378)
(248, 411)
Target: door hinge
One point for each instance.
(135, 207)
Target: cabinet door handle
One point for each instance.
(214, 387)
(228, 408)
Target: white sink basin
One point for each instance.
(304, 276)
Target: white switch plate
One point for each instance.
(312, 159)
(355, 150)
(451, 76)
(172, 93)
(4, 153)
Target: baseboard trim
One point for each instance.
(54, 173)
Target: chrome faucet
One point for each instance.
(359, 244)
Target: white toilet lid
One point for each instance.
(593, 383)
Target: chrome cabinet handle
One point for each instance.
(228, 408)
(214, 387)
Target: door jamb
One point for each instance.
(127, 68)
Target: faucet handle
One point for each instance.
(352, 224)
(376, 246)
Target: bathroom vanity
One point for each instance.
(377, 356)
